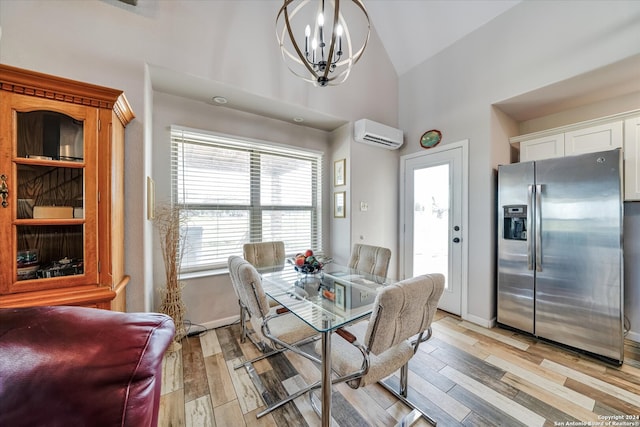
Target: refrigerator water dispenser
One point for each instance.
(515, 222)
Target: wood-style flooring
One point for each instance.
(465, 375)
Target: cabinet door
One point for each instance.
(542, 148)
(632, 159)
(593, 139)
(49, 159)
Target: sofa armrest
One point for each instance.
(62, 366)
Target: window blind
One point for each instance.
(233, 191)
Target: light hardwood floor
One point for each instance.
(464, 375)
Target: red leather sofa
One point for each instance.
(75, 366)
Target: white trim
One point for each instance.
(464, 291)
(202, 273)
(516, 140)
(240, 140)
(491, 323)
(218, 323)
(464, 144)
(633, 336)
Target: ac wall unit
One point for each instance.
(377, 134)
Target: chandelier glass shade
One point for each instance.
(316, 43)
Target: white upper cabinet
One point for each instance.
(545, 147)
(632, 159)
(618, 131)
(590, 139)
(594, 138)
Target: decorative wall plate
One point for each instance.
(430, 138)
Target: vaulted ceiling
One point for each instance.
(415, 30)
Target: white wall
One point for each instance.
(231, 41)
(375, 181)
(531, 46)
(371, 177)
(340, 229)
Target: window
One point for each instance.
(236, 191)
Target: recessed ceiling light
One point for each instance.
(298, 119)
(219, 100)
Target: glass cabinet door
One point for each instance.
(53, 181)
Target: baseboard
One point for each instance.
(480, 321)
(218, 323)
(633, 336)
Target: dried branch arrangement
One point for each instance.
(169, 220)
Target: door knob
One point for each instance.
(456, 240)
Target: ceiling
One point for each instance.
(411, 32)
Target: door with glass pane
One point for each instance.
(433, 220)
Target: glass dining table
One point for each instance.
(326, 301)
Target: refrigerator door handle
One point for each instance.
(538, 228)
(529, 239)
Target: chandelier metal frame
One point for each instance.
(334, 63)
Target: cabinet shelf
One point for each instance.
(49, 221)
(50, 163)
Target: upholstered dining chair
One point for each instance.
(276, 327)
(370, 259)
(263, 256)
(369, 351)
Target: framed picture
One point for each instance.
(339, 172)
(339, 291)
(339, 200)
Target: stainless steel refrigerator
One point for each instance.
(560, 261)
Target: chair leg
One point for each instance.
(401, 394)
(243, 323)
(288, 399)
(410, 419)
(246, 332)
(272, 352)
(404, 378)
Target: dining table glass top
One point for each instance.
(326, 300)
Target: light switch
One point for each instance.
(364, 206)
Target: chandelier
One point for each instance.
(325, 51)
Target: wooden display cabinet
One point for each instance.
(61, 191)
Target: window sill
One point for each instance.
(205, 273)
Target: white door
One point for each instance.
(434, 217)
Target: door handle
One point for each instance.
(530, 211)
(538, 228)
(456, 240)
(4, 190)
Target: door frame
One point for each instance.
(464, 214)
